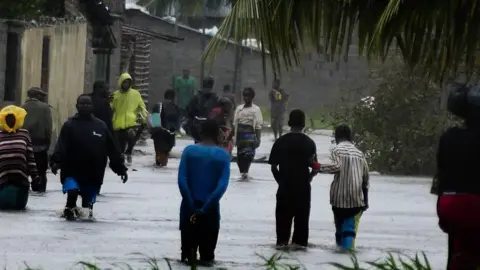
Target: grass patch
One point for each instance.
(279, 261)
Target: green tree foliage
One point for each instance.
(399, 130)
(30, 9)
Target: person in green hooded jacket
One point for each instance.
(127, 103)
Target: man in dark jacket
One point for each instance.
(38, 122)
(83, 148)
(101, 103)
(200, 106)
(102, 109)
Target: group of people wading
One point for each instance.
(106, 127)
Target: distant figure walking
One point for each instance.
(349, 189)
(17, 160)
(38, 122)
(127, 103)
(294, 164)
(278, 100)
(163, 133)
(203, 178)
(199, 108)
(185, 90)
(247, 125)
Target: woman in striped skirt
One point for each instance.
(17, 161)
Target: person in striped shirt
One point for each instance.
(349, 189)
(17, 161)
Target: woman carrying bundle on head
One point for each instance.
(17, 161)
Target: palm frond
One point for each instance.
(440, 38)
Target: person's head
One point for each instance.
(101, 88)
(37, 93)
(464, 102)
(169, 95)
(248, 95)
(276, 84)
(186, 73)
(84, 105)
(207, 84)
(210, 132)
(12, 118)
(225, 104)
(227, 88)
(296, 120)
(343, 133)
(125, 82)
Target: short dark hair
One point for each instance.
(343, 132)
(169, 94)
(100, 86)
(210, 130)
(84, 95)
(208, 82)
(296, 119)
(249, 91)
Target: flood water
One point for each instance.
(142, 216)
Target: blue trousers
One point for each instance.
(346, 225)
(73, 189)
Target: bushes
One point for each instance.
(399, 125)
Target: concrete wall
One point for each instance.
(3, 53)
(66, 65)
(311, 87)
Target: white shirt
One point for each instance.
(251, 116)
(351, 176)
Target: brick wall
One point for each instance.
(316, 84)
(3, 53)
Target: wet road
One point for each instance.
(142, 216)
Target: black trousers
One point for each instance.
(202, 237)
(41, 160)
(296, 211)
(126, 140)
(244, 162)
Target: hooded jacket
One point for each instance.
(126, 106)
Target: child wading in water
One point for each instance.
(165, 121)
(203, 178)
(83, 148)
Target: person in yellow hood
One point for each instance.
(17, 160)
(127, 104)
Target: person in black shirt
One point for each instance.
(294, 163)
(457, 175)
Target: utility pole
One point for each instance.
(204, 42)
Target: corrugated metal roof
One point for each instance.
(139, 31)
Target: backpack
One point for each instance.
(205, 104)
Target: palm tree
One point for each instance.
(436, 37)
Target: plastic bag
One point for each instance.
(19, 114)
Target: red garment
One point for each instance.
(459, 217)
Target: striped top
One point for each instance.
(17, 160)
(351, 175)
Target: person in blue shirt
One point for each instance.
(203, 178)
